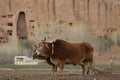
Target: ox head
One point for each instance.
(35, 56)
(43, 49)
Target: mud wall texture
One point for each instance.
(41, 14)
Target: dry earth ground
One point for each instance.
(44, 73)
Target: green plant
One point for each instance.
(26, 44)
(25, 47)
(104, 43)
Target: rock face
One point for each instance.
(102, 14)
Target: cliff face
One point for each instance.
(67, 10)
(95, 13)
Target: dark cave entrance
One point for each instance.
(22, 32)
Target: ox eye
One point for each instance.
(41, 45)
(34, 51)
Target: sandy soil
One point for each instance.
(36, 73)
(70, 73)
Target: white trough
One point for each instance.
(24, 60)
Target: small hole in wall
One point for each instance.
(70, 24)
(9, 32)
(3, 16)
(31, 20)
(10, 24)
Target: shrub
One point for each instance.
(104, 43)
(25, 47)
(8, 51)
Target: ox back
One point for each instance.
(74, 53)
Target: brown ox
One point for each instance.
(61, 52)
(39, 57)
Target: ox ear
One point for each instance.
(35, 46)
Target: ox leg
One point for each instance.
(54, 69)
(88, 68)
(57, 68)
(92, 67)
(83, 69)
(61, 67)
(88, 71)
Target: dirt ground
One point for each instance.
(41, 73)
(44, 72)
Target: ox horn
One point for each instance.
(35, 46)
(44, 39)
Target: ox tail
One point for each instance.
(96, 68)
